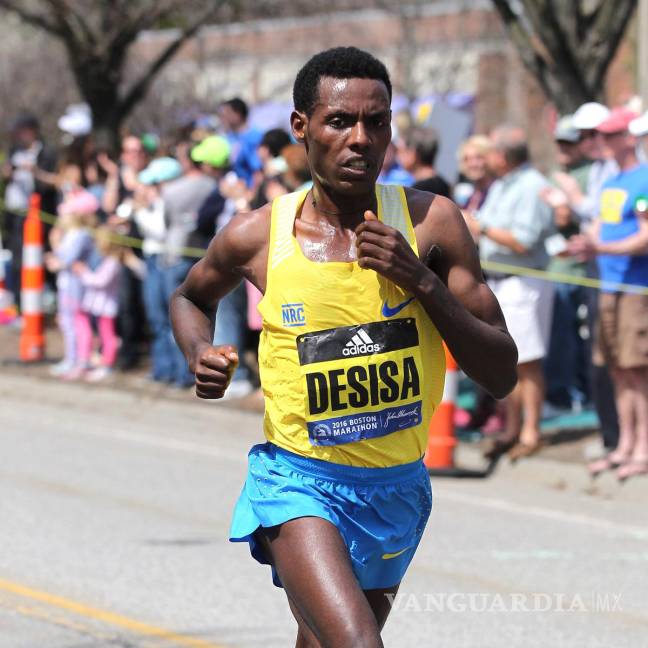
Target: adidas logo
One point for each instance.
(360, 343)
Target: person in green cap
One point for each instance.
(217, 210)
(182, 199)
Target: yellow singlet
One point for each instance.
(351, 365)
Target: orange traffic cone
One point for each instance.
(7, 306)
(441, 438)
(32, 339)
(439, 455)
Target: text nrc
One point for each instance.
(293, 314)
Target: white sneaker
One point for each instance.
(98, 374)
(60, 368)
(550, 411)
(238, 389)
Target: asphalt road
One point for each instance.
(115, 507)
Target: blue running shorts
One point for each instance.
(380, 512)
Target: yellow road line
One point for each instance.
(63, 622)
(110, 618)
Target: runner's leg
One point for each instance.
(315, 569)
(379, 600)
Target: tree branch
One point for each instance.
(30, 17)
(61, 13)
(604, 36)
(80, 27)
(554, 23)
(522, 39)
(126, 31)
(139, 88)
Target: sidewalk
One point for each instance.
(133, 381)
(558, 465)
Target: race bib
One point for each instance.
(362, 381)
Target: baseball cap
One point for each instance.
(639, 126)
(150, 142)
(590, 115)
(77, 120)
(160, 170)
(25, 120)
(213, 150)
(565, 131)
(618, 120)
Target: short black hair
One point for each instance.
(238, 106)
(425, 141)
(275, 139)
(25, 120)
(338, 63)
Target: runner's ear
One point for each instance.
(298, 123)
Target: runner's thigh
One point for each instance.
(313, 564)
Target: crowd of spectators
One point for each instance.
(586, 218)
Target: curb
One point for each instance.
(558, 475)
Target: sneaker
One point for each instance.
(238, 389)
(551, 411)
(60, 368)
(98, 374)
(494, 425)
(76, 373)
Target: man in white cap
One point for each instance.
(587, 119)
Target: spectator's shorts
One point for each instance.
(621, 336)
(380, 512)
(527, 304)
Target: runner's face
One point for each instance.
(348, 133)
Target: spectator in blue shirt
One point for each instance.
(243, 140)
(621, 341)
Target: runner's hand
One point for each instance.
(385, 250)
(214, 368)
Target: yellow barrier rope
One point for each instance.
(559, 277)
(122, 239)
(503, 268)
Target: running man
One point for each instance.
(351, 358)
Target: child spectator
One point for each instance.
(71, 242)
(101, 301)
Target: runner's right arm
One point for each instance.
(239, 250)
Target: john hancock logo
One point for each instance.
(293, 314)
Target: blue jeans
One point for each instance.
(566, 362)
(157, 314)
(231, 326)
(173, 276)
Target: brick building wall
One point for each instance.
(442, 47)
